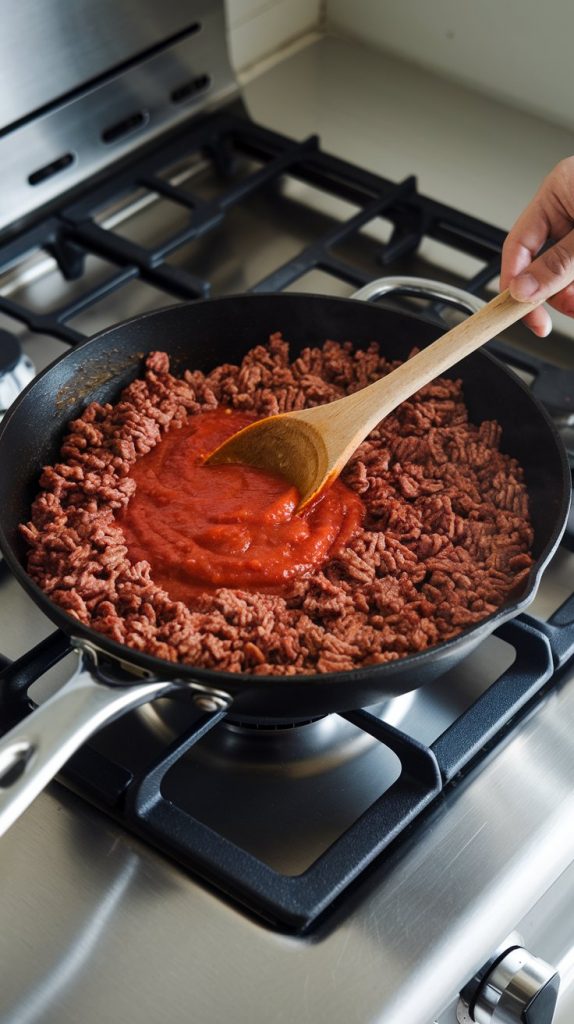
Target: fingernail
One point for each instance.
(524, 287)
(542, 332)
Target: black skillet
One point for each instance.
(202, 335)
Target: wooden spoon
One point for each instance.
(310, 447)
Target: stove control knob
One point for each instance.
(516, 988)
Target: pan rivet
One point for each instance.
(206, 702)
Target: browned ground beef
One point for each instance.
(444, 542)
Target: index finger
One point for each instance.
(524, 240)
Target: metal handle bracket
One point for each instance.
(420, 288)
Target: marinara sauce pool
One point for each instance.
(203, 527)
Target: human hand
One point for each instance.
(550, 215)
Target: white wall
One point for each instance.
(257, 28)
(517, 50)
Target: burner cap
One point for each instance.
(10, 352)
(16, 370)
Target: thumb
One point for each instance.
(552, 271)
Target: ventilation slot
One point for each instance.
(122, 128)
(43, 173)
(191, 89)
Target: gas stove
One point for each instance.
(368, 866)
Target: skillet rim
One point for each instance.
(240, 682)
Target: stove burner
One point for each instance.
(16, 370)
(244, 739)
(268, 724)
(316, 746)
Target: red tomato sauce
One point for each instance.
(203, 527)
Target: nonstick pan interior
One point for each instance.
(204, 334)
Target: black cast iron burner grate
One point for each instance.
(75, 233)
(294, 902)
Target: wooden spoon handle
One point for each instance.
(348, 420)
(380, 398)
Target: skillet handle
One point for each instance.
(34, 750)
(420, 288)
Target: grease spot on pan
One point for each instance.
(95, 375)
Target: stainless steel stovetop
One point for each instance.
(100, 926)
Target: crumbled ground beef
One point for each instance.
(445, 540)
